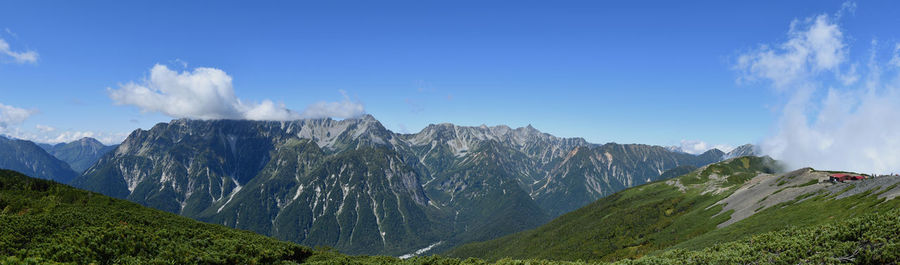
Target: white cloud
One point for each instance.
(19, 57)
(69, 136)
(848, 7)
(851, 126)
(895, 59)
(346, 108)
(45, 135)
(10, 116)
(207, 93)
(699, 147)
(814, 45)
(44, 128)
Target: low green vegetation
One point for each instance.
(44, 220)
(736, 171)
(872, 238)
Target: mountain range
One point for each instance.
(356, 186)
(732, 212)
(79, 154)
(28, 158)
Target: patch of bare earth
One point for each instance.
(765, 190)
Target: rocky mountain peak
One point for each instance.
(713, 152)
(88, 140)
(744, 150)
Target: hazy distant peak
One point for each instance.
(744, 150)
(674, 148)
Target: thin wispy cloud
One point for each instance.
(840, 113)
(699, 147)
(56, 136)
(10, 33)
(414, 107)
(345, 108)
(815, 45)
(44, 128)
(12, 118)
(20, 57)
(895, 59)
(208, 93)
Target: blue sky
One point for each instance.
(655, 72)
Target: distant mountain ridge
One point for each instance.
(79, 154)
(30, 159)
(363, 189)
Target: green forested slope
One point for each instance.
(54, 222)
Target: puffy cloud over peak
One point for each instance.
(205, 93)
(208, 93)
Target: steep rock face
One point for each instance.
(529, 140)
(361, 201)
(162, 167)
(321, 182)
(591, 172)
(356, 186)
(30, 159)
(485, 195)
(79, 154)
(165, 166)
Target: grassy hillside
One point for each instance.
(54, 222)
(872, 238)
(680, 214)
